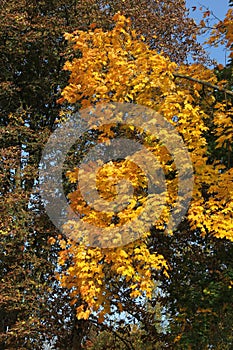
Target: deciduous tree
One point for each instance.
(115, 66)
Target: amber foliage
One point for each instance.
(116, 66)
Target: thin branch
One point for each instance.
(211, 12)
(127, 343)
(203, 82)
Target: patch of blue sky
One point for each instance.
(218, 9)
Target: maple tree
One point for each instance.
(165, 25)
(33, 52)
(115, 66)
(32, 48)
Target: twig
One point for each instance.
(203, 82)
(127, 343)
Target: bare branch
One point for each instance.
(203, 82)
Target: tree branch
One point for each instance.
(127, 343)
(203, 82)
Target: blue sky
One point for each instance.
(219, 8)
